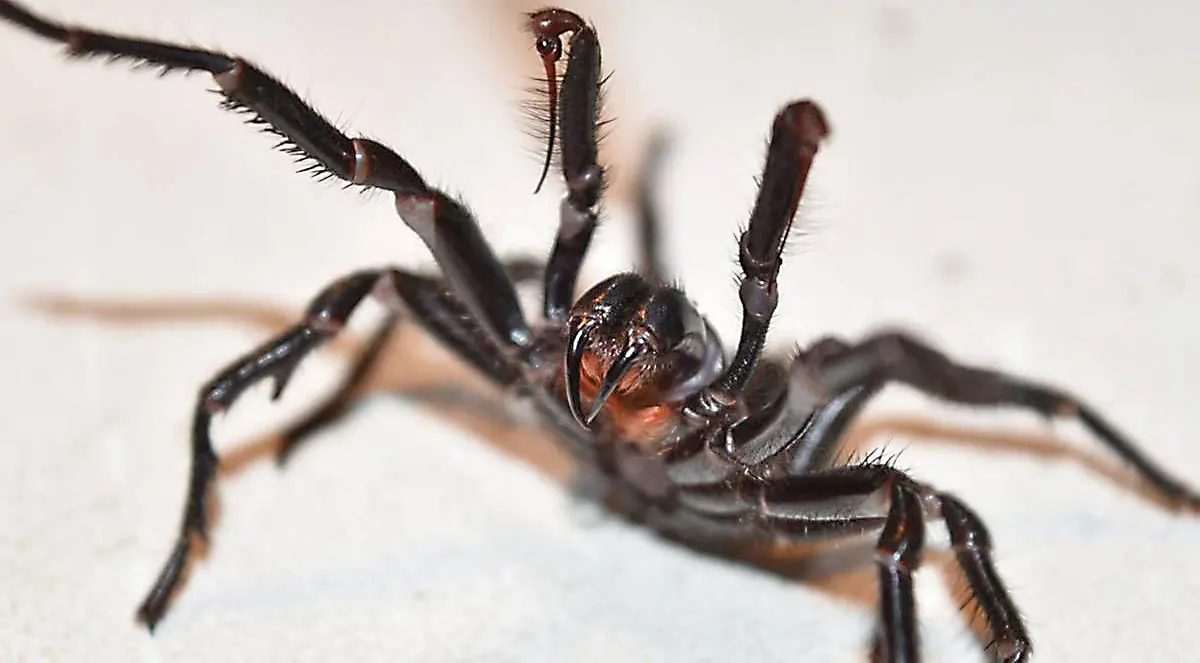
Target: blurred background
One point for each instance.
(1016, 181)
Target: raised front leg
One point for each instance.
(798, 130)
(651, 263)
(443, 223)
(574, 119)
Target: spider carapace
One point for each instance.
(714, 449)
(634, 352)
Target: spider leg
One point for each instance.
(802, 506)
(343, 398)
(443, 223)
(853, 500)
(575, 118)
(844, 377)
(849, 375)
(649, 218)
(338, 404)
(852, 374)
(426, 299)
(795, 135)
(972, 546)
(837, 503)
(897, 357)
(813, 449)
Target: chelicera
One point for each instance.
(717, 450)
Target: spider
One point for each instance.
(716, 450)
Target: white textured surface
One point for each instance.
(1021, 183)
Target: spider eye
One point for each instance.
(551, 46)
(673, 322)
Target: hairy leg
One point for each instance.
(426, 299)
(443, 223)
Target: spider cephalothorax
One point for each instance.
(635, 349)
(630, 378)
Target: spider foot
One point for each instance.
(1012, 650)
(154, 606)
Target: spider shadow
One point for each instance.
(412, 367)
(415, 368)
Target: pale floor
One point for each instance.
(1020, 184)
